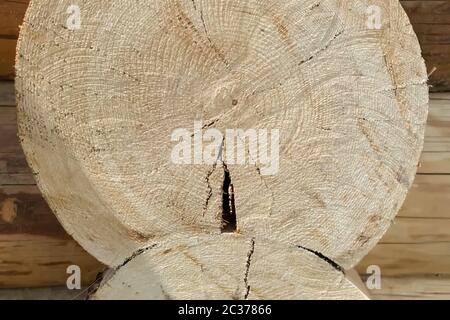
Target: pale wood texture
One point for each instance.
(430, 19)
(251, 270)
(413, 255)
(97, 111)
(427, 206)
(428, 197)
(35, 250)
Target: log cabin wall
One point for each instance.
(431, 21)
(11, 13)
(35, 251)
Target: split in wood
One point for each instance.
(229, 218)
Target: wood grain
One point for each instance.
(412, 255)
(7, 94)
(431, 22)
(273, 272)
(7, 56)
(424, 220)
(430, 19)
(103, 161)
(12, 13)
(418, 287)
(35, 250)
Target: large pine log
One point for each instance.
(97, 107)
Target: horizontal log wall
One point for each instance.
(431, 21)
(11, 13)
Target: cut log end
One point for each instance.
(102, 109)
(228, 267)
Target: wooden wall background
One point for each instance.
(414, 256)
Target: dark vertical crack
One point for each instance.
(247, 269)
(212, 44)
(229, 220)
(324, 258)
(210, 189)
